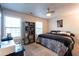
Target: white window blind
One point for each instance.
(12, 25)
(39, 28)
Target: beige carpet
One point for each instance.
(38, 50)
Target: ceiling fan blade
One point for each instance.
(51, 11)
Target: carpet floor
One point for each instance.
(35, 49)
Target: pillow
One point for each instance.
(68, 33)
(64, 33)
(54, 31)
(71, 34)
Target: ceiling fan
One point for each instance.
(49, 12)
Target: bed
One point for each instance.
(60, 42)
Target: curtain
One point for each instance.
(0, 23)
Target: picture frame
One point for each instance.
(60, 23)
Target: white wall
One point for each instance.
(70, 16)
(70, 23)
(26, 17)
(29, 18)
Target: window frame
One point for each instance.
(13, 27)
(36, 28)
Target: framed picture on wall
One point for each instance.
(60, 23)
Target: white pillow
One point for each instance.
(64, 33)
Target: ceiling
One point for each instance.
(37, 9)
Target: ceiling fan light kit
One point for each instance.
(48, 14)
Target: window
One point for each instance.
(39, 28)
(13, 26)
